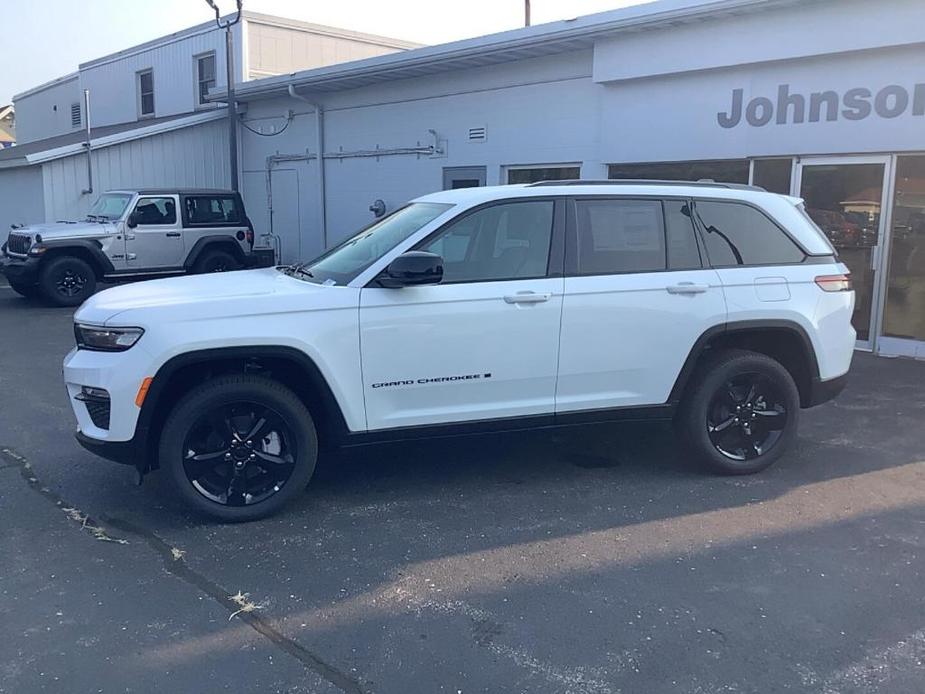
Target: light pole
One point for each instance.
(232, 106)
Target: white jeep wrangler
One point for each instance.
(724, 308)
(129, 234)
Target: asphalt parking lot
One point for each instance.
(597, 560)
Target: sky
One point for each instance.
(45, 39)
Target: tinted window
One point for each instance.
(683, 253)
(737, 234)
(543, 173)
(213, 209)
(773, 175)
(620, 236)
(501, 242)
(156, 211)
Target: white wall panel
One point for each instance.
(190, 157)
(47, 112)
(21, 197)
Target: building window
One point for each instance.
(205, 77)
(75, 115)
(146, 93)
(534, 174)
(719, 170)
(773, 175)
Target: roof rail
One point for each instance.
(703, 183)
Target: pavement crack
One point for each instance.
(74, 514)
(177, 566)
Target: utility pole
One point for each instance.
(526, 13)
(232, 104)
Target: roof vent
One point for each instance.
(75, 115)
(478, 134)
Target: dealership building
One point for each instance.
(820, 99)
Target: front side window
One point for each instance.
(152, 211)
(205, 76)
(348, 259)
(109, 206)
(617, 236)
(214, 210)
(146, 93)
(737, 234)
(501, 242)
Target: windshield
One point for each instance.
(109, 206)
(345, 261)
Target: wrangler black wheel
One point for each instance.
(740, 413)
(66, 280)
(239, 447)
(216, 261)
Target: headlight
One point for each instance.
(106, 339)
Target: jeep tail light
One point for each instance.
(834, 283)
(249, 235)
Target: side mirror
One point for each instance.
(132, 221)
(412, 269)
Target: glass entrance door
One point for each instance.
(846, 198)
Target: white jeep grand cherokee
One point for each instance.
(504, 308)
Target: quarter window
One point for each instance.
(616, 236)
(205, 76)
(683, 253)
(146, 93)
(214, 210)
(737, 234)
(156, 211)
(502, 242)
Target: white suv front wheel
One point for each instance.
(239, 447)
(741, 412)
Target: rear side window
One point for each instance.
(683, 251)
(212, 210)
(737, 234)
(616, 236)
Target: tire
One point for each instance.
(66, 281)
(216, 260)
(29, 291)
(748, 439)
(235, 478)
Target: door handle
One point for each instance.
(173, 234)
(687, 288)
(527, 298)
(130, 237)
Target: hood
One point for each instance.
(64, 230)
(202, 297)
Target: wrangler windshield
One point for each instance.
(348, 259)
(109, 206)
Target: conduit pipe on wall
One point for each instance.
(319, 137)
(87, 145)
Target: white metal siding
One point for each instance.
(190, 157)
(21, 198)
(47, 112)
(274, 50)
(113, 83)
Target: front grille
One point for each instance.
(97, 405)
(18, 244)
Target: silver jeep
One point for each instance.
(130, 234)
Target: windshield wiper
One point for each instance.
(299, 268)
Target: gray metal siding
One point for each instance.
(21, 197)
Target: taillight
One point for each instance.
(834, 283)
(249, 235)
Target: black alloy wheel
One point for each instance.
(740, 413)
(238, 447)
(70, 283)
(747, 417)
(239, 454)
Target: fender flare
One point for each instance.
(101, 264)
(224, 241)
(152, 414)
(703, 342)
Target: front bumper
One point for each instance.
(823, 391)
(24, 272)
(124, 452)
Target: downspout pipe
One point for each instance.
(319, 145)
(89, 189)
